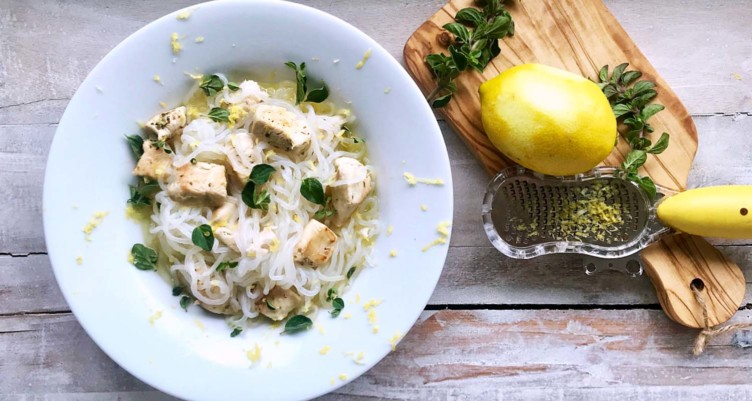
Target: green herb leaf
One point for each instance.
(185, 302)
(441, 101)
(474, 46)
(618, 71)
(323, 213)
(236, 331)
(317, 95)
(621, 110)
(177, 290)
(233, 86)
(459, 30)
(203, 237)
(144, 258)
(350, 272)
(312, 190)
(648, 186)
(211, 85)
(661, 145)
(297, 324)
(222, 266)
(248, 195)
(603, 74)
(141, 195)
(337, 305)
(300, 79)
(261, 173)
(331, 294)
(630, 76)
(218, 114)
(650, 110)
(262, 200)
(470, 16)
(136, 143)
(634, 160)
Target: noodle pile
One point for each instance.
(233, 291)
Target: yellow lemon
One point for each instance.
(548, 120)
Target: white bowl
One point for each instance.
(89, 169)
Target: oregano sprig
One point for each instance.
(476, 42)
(630, 100)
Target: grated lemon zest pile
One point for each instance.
(342, 376)
(184, 15)
(362, 61)
(93, 223)
(175, 43)
(394, 340)
(199, 39)
(153, 318)
(157, 79)
(325, 350)
(199, 324)
(424, 207)
(437, 241)
(79, 260)
(393, 253)
(389, 230)
(412, 180)
(254, 354)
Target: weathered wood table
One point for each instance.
(495, 328)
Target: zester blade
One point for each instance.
(527, 214)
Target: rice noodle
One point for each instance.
(234, 291)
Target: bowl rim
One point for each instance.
(47, 197)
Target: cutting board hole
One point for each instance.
(697, 284)
(743, 211)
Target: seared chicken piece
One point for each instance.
(168, 123)
(316, 245)
(281, 128)
(265, 242)
(243, 146)
(279, 303)
(201, 183)
(154, 163)
(227, 237)
(347, 198)
(222, 215)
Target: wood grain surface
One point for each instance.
(581, 36)
(633, 352)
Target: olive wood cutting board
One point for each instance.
(581, 36)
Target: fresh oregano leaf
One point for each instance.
(144, 258)
(136, 143)
(313, 191)
(203, 237)
(297, 324)
(218, 114)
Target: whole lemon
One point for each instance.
(548, 120)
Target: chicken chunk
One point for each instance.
(154, 163)
(281, 128)
(200, 183)
(242, 145)
(346, 198)
(279, 303)
(168, 123)
(222, 215)
(316, 245)
(263, 243)
(227, 237)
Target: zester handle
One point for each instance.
(722, 211)
(674, 262)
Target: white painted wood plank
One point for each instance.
(518, 355)
(58, 43)
(471, 276)
(724, 157)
